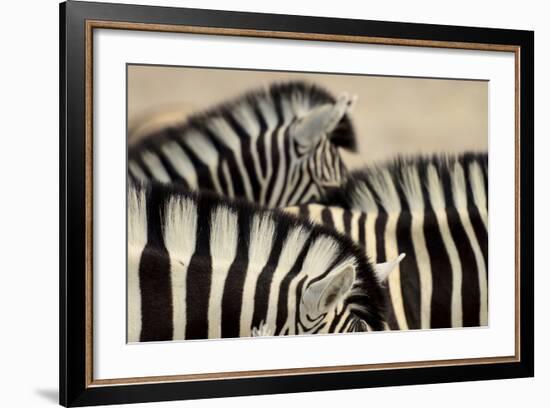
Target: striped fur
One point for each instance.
(275, 147)
(201, 266)
(435, 211)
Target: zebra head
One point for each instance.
(349, 298)
(316, 137)
(275, 147)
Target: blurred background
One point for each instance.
(393, 115)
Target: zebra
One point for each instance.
(275, 147)
(205, 266)
(434, 210)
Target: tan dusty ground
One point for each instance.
(392, 115)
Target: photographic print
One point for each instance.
(271, 203)
(258, 203)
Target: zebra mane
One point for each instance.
(366, 298)
(301, 97)
(408, 182)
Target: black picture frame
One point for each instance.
(76, 387)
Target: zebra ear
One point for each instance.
(329, 292)
(322, 120)
(383, 270)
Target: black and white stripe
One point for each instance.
(434, 210)
(201, 266)
(275, 147)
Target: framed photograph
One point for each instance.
(256, 203)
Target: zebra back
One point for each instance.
(435, 211)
